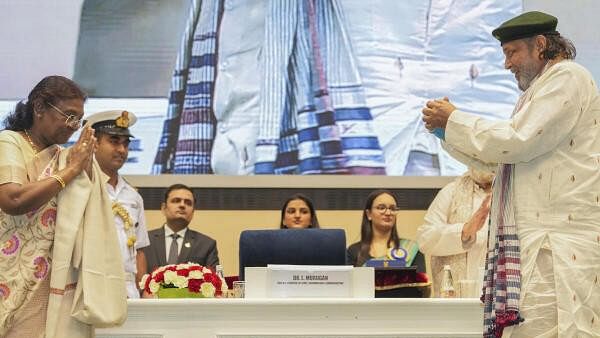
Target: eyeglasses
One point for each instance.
(71, 121)
(382, 209)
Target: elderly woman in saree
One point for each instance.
(31, 181)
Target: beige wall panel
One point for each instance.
(225, 226)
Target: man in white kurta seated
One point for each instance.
(454, 231)
(545, 215)
(113, 137)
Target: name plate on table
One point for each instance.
(309, 281)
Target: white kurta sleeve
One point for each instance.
(436, 236)
(469, 160)
(539, 126)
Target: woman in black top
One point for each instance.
(379, 236)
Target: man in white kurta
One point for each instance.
(553, 141)
(454, 231)
(112, 132)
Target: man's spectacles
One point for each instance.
(382, 209)
(71, 121)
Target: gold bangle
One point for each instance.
(59, 180)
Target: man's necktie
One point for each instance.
(173, 250)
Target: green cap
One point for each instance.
(526, 25)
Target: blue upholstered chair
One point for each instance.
(292, 246)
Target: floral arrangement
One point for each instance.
(195, 279)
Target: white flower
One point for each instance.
(207, 289)
(170, 277)
(183, 266)
(155, 272)
(143, 281)
(196, 274)
(180, 282)
(154, 286)
(206, 270)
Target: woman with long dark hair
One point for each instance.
(298, 211)
(379, 236)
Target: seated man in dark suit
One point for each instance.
(174, 243)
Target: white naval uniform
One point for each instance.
(131, 200)
(554, 142)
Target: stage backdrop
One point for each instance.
(242, 87)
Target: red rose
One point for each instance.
(171, 268)
(213, 279)
(184, 272)
(194, 285)
(147, 285)
(160, 277)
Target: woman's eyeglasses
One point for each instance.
(384, 208)
(71, 121)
